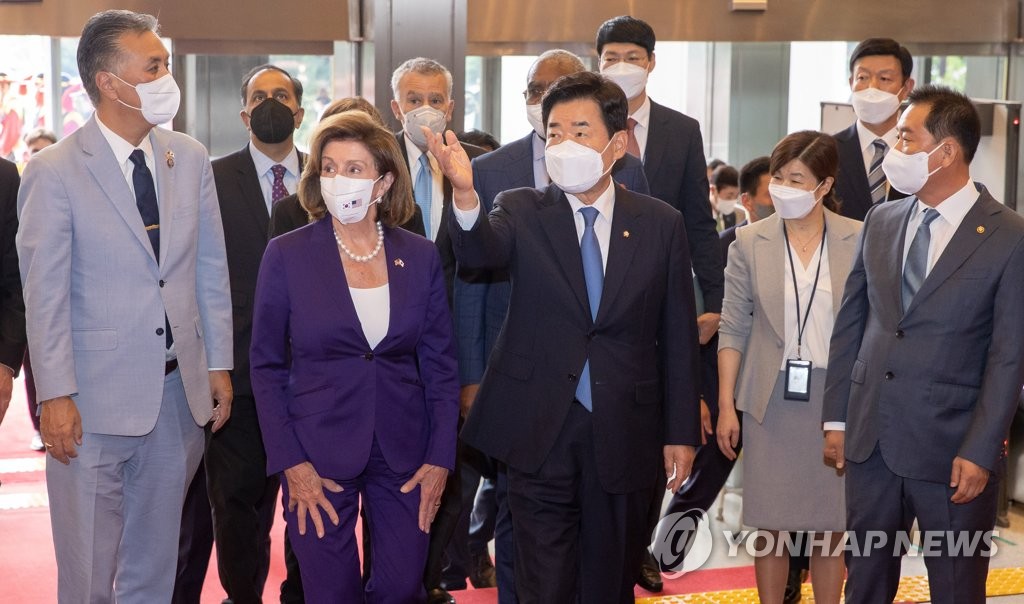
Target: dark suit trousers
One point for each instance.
(574, 541)
(243, 498)
(879, 500)
(195, 543)
(447, 519)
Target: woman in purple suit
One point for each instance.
(353, 369)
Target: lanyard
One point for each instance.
(801, 325)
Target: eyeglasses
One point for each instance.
(534, 93)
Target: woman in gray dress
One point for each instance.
(783, 286)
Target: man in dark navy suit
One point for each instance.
(879, 80)
(481, 301)
(672, 150)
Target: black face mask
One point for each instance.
(272, 121)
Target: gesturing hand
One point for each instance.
(431, 480)
(452, 158)
(306, 494)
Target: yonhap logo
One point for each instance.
(682, 542)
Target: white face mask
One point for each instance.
(908, 173)
(535, 115)
(726, 206)
(874, 106)
(159, 99)
(632, 79)
(792, 203)
(435, 119)
(348, 199)
(575, 168)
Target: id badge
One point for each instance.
(798, 380)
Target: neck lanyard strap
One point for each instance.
(801, 325)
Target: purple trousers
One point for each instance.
(330, 566)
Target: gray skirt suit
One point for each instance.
(786, 484)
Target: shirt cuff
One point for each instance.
(467, 218)
(218, 369)
(837, 426)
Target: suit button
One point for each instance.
(889, 375)
(162, 283)
(591, 335)
(159, 331)
(368, 356)
(899, 334)
(572, 377)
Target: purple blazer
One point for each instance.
(322, 394)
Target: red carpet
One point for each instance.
(26, 546)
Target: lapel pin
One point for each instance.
(980, 230)
(399, 263)
(625, 234)
(170, 159)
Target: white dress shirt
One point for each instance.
(643, 126)
(951, 213)
(373, 307)
(818, 330)
(605, 205)
(263, 170)
(867, 143)
(432, 222)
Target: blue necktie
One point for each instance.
(916, 267)
(593, 272)
(145, 200)
(424, 190)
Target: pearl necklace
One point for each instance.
(367, 257)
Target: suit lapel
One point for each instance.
(252, 194)
(621, 248)
(657, 138)
(166, 176)
(852, 157)
(976, 227)
(560, 228)
(110, 177)
(769, 273)
(520, 164)
(891, 280)
(332, 277)
(401, 267)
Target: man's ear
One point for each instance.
(396, 110)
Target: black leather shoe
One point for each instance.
(650, 574)
(482, 572)
(793, 582)
(439, 596)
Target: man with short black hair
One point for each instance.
(670, 145)
(589, 401)
(481, 302)
(725, 192)
(129, 318)
(879, 81)
(925, 369)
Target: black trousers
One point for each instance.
(879, 501)
(574, 541)
(195, 542)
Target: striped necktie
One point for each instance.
(876, 176)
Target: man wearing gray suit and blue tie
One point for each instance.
(128, 315)
(925, 366)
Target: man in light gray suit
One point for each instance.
(925, 366)
(129, 318)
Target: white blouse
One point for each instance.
(373, 307)
(818, 332)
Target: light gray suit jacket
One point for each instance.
(753, 311)
(941, 380)
(95, 295)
